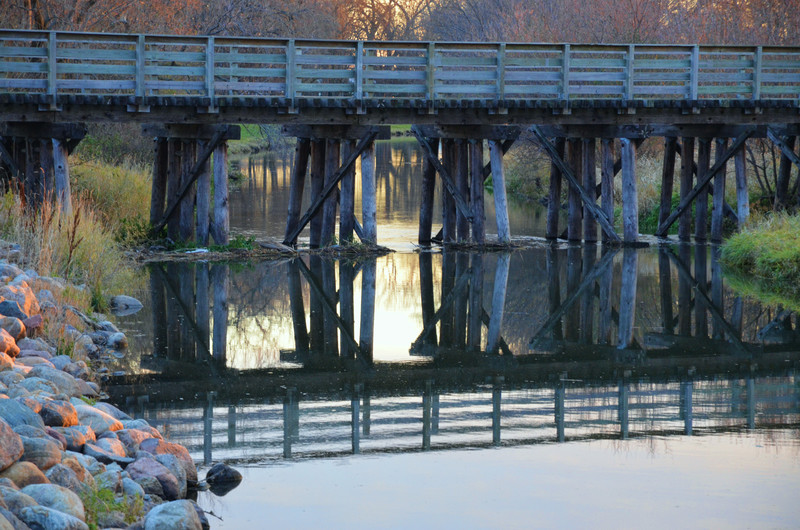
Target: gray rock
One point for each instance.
(98, 420)
(11, 447)
(6, 362)
(111, 410)
(111, 520)
(7, 269)
(111, 444)
(105, 456)
(65, 382)
(64, 476)
(177, 515)
(159, 447)
(57, 437)
(59, 414)
(13, 326)
(8, 344)
(13, 521)
(118, 341)
(35, 353)
(23, 296)
(43, 518)
(30, 431)
(10, 378)
(122, 305)
(131, 438)
(108, 326)
(109, 479)
(37, 384)
(57, 498)
(87, 431)
(78, 370)
(175, 467)
(60, 361)
(75, 439)
(10, 308)
(35, 344)
(131, 488)
(15, 413)
(150, 485)
(149, 467)
(24, 473)
(44, 453)
(16, 500)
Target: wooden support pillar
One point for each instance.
(221, 225)
(717, 294)
(589, 183)
(687, 161)
(348, 196)
(476, 191)
(607, 180)
(461, 176)
(428, 190)
(369, 205)
(302, 151)
(346, 306)
(186, 208)
(219, 337)
(158, 302)
(742, 195)
(316, 317)
(426, 293)
(448, 201)
(574, 216)
(448, 284)
(684, 294)
(604, 321)
(317, 184)
(701, 202)
(173, 186)
(46, 168)
(587, 299)
(332, 152)
(61, 176)
(367, 331)
(33, 173)
(297, 308)
(498, 302)
(158, 193)
(572, 318)
(475, 303)
(554, 195)
(174, 344)
(784, 175)
(701, 276)
(627, 297)
(188, 306)
(667, 178)
(203, 198)
(554, 288)
(203, 306)
(665, 288)
(630, 198)
(499, 185)
(718, 213)
(461, 303)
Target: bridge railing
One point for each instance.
(144, 66)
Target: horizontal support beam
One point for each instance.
(471, 132)
(189, 131)
(338, 132)
(716, 130)
(59, 131)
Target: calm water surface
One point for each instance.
(555, 386)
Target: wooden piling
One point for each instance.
(203, 305)
(701, 276)
(346, 306)
(701, 202)
(718, 212)
(221, 226)
(369, 192)
(499, 186)
(330, 329)
(627, 296)
(316, 317)
(665, 289)
(574, 213)
(367, 331)
(687, 160)
(158, 192)
(203, 199)
(173, 186)
(188, 305)
(158, 303)
(667, 178)
(428, 190)
(186, 208)
(784, 175)
(46, 168)
(554, 288)
(317, 184)
(476, 191)
(448, 202)
(607, 180)
(426, 294)
(630, 198)
(297, 183)
(554, 194)
(587, 299)
(448, 284)
(461, 176)
(219, 336)
(498, 303)
(297, 307)
(572, 318)
(61, 176)
(742, 195)
(604, 301)
(475, 303)
(684, 295)
(589, 183)
(332, 152)
(461, 303)
(348, 197)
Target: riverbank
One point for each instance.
(67, 459)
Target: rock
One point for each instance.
(122, 305)
(59, 414)
(89, 463)
(105, 456)
(33, 324)
(56, 497)
(13, 326)
(60, 361)
(37, 384)
(7, 269)
(65, 382)
(41, 517)
(23, 296)
(8, 483)
(75, 439)
(150, 486)
(33, 361)
(149, 467)
(222, 479)
(141, 425)
(16, 500)
(159, 447)
(40, 451)
(13, 521)
(87, 431)
(112, 519)
(30, 432)
(175, 467)
(35, 353)
(87, 389)
(98, 420)
(111, 410)
(10, 308)
(112, 445)
(10, 378)
(24, 474)
(15, 413)
(106, 325)
(6, 362)
(131, 488)
(118, 341)
(59, 438)
(177, 515)
(78, 370)
(65, 477)
(109, 479)
(84, 346)
(8, 344)
(11, 447)
(131, 438)
(34, 344)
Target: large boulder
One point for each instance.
(156, 446)
(42, 452)
(56, 497)
(16, 500)
(106, 456)
(98, 420)
(111, 410)
(6, 362)
(64, 476)
(14, 413)
(122, 305)
(8, 344)
(11, 308)
(23, 474)
(145, 467)
(177, 515)
(23, 295)
(13, 326)
(175, 467)
(11, 447)
(41, 517)
(65, 382)
(59, 414)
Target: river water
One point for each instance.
(558, 385)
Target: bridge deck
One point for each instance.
(67, 76)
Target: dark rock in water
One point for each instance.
(10, 446)
(222, 479)
(14, 413)
(122, 305)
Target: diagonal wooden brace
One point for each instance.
(291, 238)
(461, 203)
(785, 150)
(702, 182)
(586, 197)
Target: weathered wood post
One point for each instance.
(369, 192)
(498, 303)
(476, 191)
(554, 194)
(346, 306)
(367, 331)
(717, 294)
(348, 196)
(684, 295)
(605, 318)
(328, 284)
(461, 177)
(475, 303)
(627, 298)
(174, 343)
(665, 288)
(667, 178)
(718, 213)
(589, 183)
(448, 201)
(317, 184)
(219, 337)
(701, 276)
(61, 175)
(297, 308)
(554, 288)
(428, 190)
(316, 313)
(427, 298)
(203, 303)
(186, 211)
(499, 186)
(332, 151)
(448, 284)
(203, 198)
(607, 180)
(784, 175)
(630, 198)
(701, 202)
(173, 186)
(572, 318)
(742, 194)
(158, 303)
(221, 225)
(687, 161)
(574, 224)
(461, 303)
(587, 299)
(302, 151)
(188, 306)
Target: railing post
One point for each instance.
(359, 89)
(430, 82)
(501, 72)
(695, 73)
(212, 103)
(290, 74)
(757, 74)
(140, 61)
(51, 70)
(629, 74)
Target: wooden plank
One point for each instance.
(209, 73)
(701, 182)
(203, 198)
(564, 94)
(567, 173)
(139, 84)
(220, 228)
(693, 79)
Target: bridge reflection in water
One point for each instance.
(554, 344)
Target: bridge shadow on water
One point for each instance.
(407, 352)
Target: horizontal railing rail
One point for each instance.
(53, 64)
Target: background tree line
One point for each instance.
(766, 22)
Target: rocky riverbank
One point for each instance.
(67, 459)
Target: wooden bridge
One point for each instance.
(333, 94)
